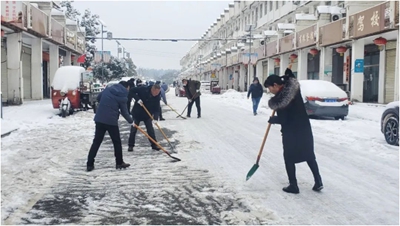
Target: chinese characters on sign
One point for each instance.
(306, 37)
(375, 19)
(360, 23)
(368, 21)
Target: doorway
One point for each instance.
(313, 66)
(46, 87)
(371, 74)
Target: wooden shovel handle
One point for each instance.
(159, 128)
(265, 138)
(152, 140)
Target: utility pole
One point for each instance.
(102, 52)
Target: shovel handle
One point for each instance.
(152, 140)
(264, 139)
(159, 128)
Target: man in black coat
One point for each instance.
(297, 137)
(192, 89)
(112, 103)
(149, 96)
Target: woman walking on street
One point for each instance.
(256, 91)
(297, 137)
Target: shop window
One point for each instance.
(277, 5)
(265, 8)
(261, 10)
(313, 67)
(270, 5)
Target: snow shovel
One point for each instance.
(176, 112)
(155, 142)
(159, 128)
(255, 166)
(186, 106)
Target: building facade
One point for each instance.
(37, 39)
(353, 44)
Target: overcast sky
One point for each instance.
(154, 19)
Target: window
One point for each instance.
(261, 8)
(265, 8)
(277, 5)
(256, 18)
(270, 6)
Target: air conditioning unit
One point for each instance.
(335, 17)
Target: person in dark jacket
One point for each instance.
(131, 83)
(149, 96)
(256, 91)
(192, 89)
(297, 136)
(164, 99)
(112, 103)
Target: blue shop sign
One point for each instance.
(359, 66)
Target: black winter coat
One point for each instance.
(152, 103)
(297, 137)
(191, 87)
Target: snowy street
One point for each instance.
(44, 179)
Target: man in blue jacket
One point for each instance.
(256, 90)
(149, 96)
(112, 101)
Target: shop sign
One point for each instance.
(359, 66)
(368, 21)
(306, 37)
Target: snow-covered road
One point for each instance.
(359, 170)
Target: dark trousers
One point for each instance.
(100, 131)
(291, 170)
(149, 130)
(197, 101)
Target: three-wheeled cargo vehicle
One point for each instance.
(72, 90)
(215, 88)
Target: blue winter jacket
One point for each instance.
(162, 96)
(164, 86)
(256, 91)
(112, 101)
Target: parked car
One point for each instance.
(180, 91)
(324, 99)
(215, 88)
(390, 123)
(205, 85)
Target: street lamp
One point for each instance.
(249, 28)
(102, 50)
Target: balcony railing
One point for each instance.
(39, 21)
(57, 32)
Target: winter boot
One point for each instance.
(162, 119)
(187, 116)
(292, 188)
(155, 148)
(89, 168)
(130, 149)
(318, 186)
(199, 116)
(123, 165)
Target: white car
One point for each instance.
(324, 99)
(205, 85)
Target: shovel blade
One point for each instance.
(252, 171)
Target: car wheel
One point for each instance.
(392, 130)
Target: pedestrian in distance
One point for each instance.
(148, 96)
(192, 89)
(256, 90)
(112, 103)
(297, 136)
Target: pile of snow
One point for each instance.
(320, 88)
(231, 93)
(67, 78)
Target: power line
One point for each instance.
(173, 40)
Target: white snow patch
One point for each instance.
(67, 78)
(55, 12)
(393, 104)
(70, 22)
(7, 126)
(320, 88)
(330, 9)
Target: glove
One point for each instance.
(140, 102)
(273, 120)
(197, 90)
(133, 124)
(190, 100)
